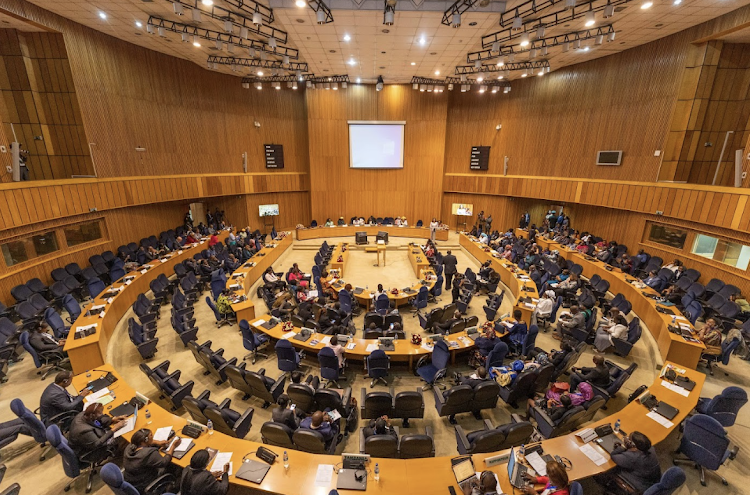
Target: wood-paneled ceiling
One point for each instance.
(397, 54)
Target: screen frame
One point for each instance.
(349, 123)
(269, 204)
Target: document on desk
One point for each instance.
(220, 459)
(324, 475)
(162, 434)
(129, 426)
(427, 347)
(326, 340)
(660, 419)
(259, 322)
(536, 462)
(590, 452)
(350, 346)
(185, 444)
(288, 335)
(675, 388)
(372, 347)
(102, 397)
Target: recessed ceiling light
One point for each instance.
(196, 44)
(352, 61)
(480, 79)
(677, 2)
(138, 24)
(359, 80)
(585, 48)
(413, 63)
(260, 72)
(473, 23)
(102, 15)
(437, 72)
(347, 37)
(300, 3)
(647, 5)
(331, 51)
(422, 41)
(207, 3)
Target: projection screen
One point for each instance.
(376, 145)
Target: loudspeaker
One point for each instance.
(360, 238)
(383, 236)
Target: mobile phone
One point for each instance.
(293, 407)
(452, 490)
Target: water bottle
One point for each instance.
(617, 426)
(521, 452)
(210, 426)
(286, 460)
(377, 472)
(148, 414)
(674, 321)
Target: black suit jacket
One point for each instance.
(449, 263)
(42, 344)
(285, 417)
(202, 483)
(55, 400)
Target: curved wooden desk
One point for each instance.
(672, 347)
(429, 475)
(245, 276)
(90, 352)
(372, 230)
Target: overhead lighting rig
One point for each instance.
(310, 80)
(461, 6)
(550, 20)
(323, 14)
(525, 9)
(429, 84)
(539, 43)
(251, 7)
(219, 37)
(243, 22)
(214, 61)
(510, 66)
(464, 84)
(389, 12)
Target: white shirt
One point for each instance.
(434, 225)
(544, 307)
(619, 331)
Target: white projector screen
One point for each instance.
(376, 144)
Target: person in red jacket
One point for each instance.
(555, 483)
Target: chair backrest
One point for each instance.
(714, 285)
(725, 406)
(302, 396)
(309, 441)
(381, 446)
(414, 446)
(377, 364)
(440, 355)
(634, 330)
(286, 355)
(704, 441)
(24, 339)
(671, 480)
(21, 292)
(116, 273)
(96, 286)
(696, 289)
(530, 340)
(575, 488)
(70, 462)
(329, 364)
(33, 423)
(377, 404)
(497, 355)
(213, 307)
(382, 303)
(345, 299)
(112, 476)
(277, 434)
(408, 404)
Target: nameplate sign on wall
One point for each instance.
(480, 158)
(274, 155)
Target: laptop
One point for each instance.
(464, 472)
(351, 479)
(607, 442)
(664, 310)
(103, 382)
(253, 471)
(666, 410)
(516, 471)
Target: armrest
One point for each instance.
(242, 365)
(362, 440)
(428, 431)
(175, 376)
(163, 483)
(438, 396)
(164, 366)
(516, 418)
(488, 424)
(541, 415)
(346, 398)
(363, 396)
(461, 437)
(245, 420)
(279, 383)
(262, 371)
(392, 391)
(204, 395)
(225, 403)
(219, 352)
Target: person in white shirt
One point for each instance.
(604, 335)
(404, 222)
(544, 306)
(338, 350)
(673, 265)
(397, 222)
(433, 227)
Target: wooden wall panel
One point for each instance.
(337, 190)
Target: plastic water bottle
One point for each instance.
(377, 472)
(674, 321)
(617, 426)
(210, 426)
(522, 452)
(286, 460)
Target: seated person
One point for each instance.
(474, 379)
(637, 462)
(653, 280)
(56, 399)
(544, 306)
(710, 335)
(322, 423)
(379, 426)
(554, 408)
(341, 222)
(329, 222)
(605, 334)
(327, 289)
(92, 430)
(282, 414)
(223, 304)
(197, 480)
(566, 323)
(483, 345)
(570, 284)
(492, 278)
(445, 326)
(555, 483)
(272, 281)
(338, 350)
(305, 308)
(285, 303)
(372, 220)
(596, 375)
(143, 461)
(404, 222)
(231, 263)
(311, 381)
(43, 340)
(485, 485)
(517, 333)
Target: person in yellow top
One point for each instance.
(223, 304)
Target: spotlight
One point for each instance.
(321, 17)
(590, 18)
(260, 73)
(301, 4)
(138, 24)
(359, 80)
(511, 57)
(263, 55)
(415, 86)
(219, 45)
(196, 15)
(437, 72)
(506, 90)
(541, 72)
(177, 8)
(430, 87)
(480, 79)
(496, 47)
(335, 86)
(524, 39)
(196, 43)
(185, 37)
(463, 78)
(207, 3)
(611, 37)
(298, 74)
(540, 31)
(251, 52)
(450, 87)
(343, 85)
(259, 85)
(647, 5)
(228, 26)
(456, 22)
(566, 47)
(102, 15)
(347, 37)
(576, 44)
(532, 53)
(230, 47)
(544, 51)
(379, 85)
(272, 43)
(161, 31)
(352, 62)
(477, 64)
(525, 73)
(327, 85)
(600, 39)
(243, 32)
(494, 89)
(482, 89)
(422, 88)
(294, 84)
(389, 17)
(422, 41)
(278, 86)
(609, 11)
(257, 18)
(245, 85)
(309, 84)
(285, 60)
(517, 22)
(569, 4)
(464, 87)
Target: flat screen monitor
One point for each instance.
(462, 209)
(268, 210)
(376, 145)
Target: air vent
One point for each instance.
(147, 1)
(301, 21)
(620, 9)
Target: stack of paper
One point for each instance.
(102, 397)
(259, 322)
(220, 460)
(162, 434)
(592, 454)
(288, 335)
(350, 346)
(660, 419)
(324, 475)
(371, 347)
(675, 388)
(586, 435)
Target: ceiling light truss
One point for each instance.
(251, 7)
(549, 41)
(461, 6)
(486, 82)
(389, 12)
(264, 30)
(526, 9)
(426, 80)
(511, 66)
(285, 78)
(261, 64)
(550, 20)
(211, 35)
(324, 14)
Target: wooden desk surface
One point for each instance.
(344, 254)
(672, 347)
(430, 475)
(372, 230)
(418, 260)
(91, 352)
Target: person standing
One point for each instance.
(449, 268)
(433, 227)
